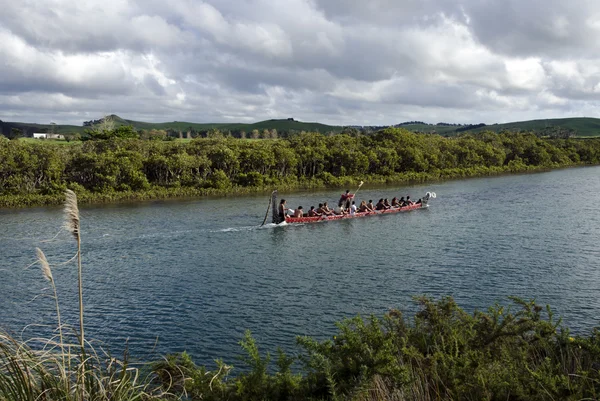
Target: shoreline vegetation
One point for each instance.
(115, 165)
(518, 352)
(161, 193)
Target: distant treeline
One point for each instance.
(33, 173)
(469, 127)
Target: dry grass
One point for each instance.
(71, 213)
(47, 370)
(60, 369)
(72, 224)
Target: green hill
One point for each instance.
(284, 125)
(582, 126)
(281, 125)
(27, 129)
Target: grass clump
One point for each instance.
(49, 370)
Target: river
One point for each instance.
(193, 275)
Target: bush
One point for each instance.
(252, 179)
(219, 180)
(444, 353)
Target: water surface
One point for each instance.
(193, 275)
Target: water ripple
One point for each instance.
(194, 275)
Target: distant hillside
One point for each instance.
(27, 129)
(582, 126)
(281, 125)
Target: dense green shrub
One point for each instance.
(122, 164)
(444, 353)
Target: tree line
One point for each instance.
(125, 164)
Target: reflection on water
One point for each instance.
(196, 273)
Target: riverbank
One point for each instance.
(327, 182)
(114, 170)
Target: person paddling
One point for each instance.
(298, 212)
(370, 206)
(324, 210)
(381, 205)
(327, 210)
(313, 213)
(353, 208)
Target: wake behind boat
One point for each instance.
(305, 218)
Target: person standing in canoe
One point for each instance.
(345, 200)
(282, 211)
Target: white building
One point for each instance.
(42, 135)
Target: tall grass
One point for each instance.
(59, 369)
(72, 225)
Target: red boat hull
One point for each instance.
(289, 219)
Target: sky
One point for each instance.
(342, 62)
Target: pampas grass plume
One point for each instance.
(71, 213)
(45, 265)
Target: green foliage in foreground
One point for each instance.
(443, 353)
(122, 168)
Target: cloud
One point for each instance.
(334, 61)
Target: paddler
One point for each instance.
(327, 210)
(345, 200)
(298, 212)
(313, 213)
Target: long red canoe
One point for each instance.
(291, 220)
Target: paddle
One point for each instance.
(359, 185)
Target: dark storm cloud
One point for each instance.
(336, 61)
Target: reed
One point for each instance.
(72, 225)
(47, 271)
(39, 370)
(48, 369)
